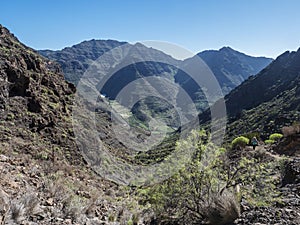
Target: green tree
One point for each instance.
(240, 141)
(200, 191)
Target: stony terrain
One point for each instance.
(287, 211)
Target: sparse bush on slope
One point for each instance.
(199, 192)
(210, 187)
(275, 136)
(240, 141)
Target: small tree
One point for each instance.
(275, 136)
(269, 142)
(204, 190)
(240, 141)
(199, 192)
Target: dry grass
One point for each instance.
(20, 209)
(224, 209)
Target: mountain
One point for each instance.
(282, 75)
(126, 64)
(229, 67)
(271, 99)
(75, 60)
(119, 65)
(267, 101)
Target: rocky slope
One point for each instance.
(280, 76)
(269, 100)
(287, 209)
(44, 178)
(36, 102)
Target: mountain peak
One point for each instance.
(232, 67)
(227, 48)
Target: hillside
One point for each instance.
(44, 178)
(35, 102)
(265, 102)
(269, 100)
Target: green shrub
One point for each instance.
(198, 192)
(275, 136)
(269, 142)
(211, 192)
(240, 141)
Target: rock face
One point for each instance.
(35, 101)
(291, 172)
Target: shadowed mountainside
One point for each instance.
(267, 101)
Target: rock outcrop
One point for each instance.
(35, 102)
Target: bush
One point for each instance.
(199, 192)
(276, 136)
(291, 130)
(240, 141)
(269, 142)
(223, 210)
(209, 188)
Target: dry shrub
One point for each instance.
(291, 130)
(223, 209)
(20, 209)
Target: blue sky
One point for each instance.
(256, 27)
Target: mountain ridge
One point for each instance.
(74, 66)
(207, 56)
